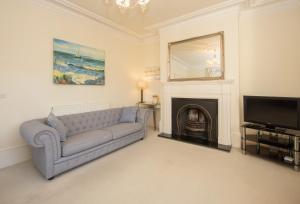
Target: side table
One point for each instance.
(154, 108)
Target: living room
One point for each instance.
(134, 50)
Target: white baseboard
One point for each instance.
(13, 155)
(236, 139)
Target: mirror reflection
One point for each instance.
(199, 58)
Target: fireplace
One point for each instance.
(195, 120)
(216, 97)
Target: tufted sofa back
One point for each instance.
(83, 122)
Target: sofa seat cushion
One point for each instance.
(124, 129)
(84, 141)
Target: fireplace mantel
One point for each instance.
(204, 82)
(220, 90)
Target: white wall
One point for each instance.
(151, 60)
(227, 21)
(269, 50)
(27, 91)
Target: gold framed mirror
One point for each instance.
(199, 58)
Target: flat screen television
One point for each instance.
(272, 112)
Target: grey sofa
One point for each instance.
(90, 135)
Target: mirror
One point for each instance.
(200, 58)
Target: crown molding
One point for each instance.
(259, 3)
(82, 11)
(150, 39)
(256, 3)
(149, 35)
(246, 4)
(153, 29)
(201, 12)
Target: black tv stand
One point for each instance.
(278, 129)
(279, 143)
(270, 127)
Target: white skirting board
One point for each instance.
(13, 155)
(236, 140)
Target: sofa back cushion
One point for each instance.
(128, 114)
(83, 122)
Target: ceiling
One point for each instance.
(158, 11)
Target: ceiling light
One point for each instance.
(123, 3)
(129, 4)
(143, 4)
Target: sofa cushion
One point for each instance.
(124, 129)
(57, 124)
(90, 121)
(128, 114)
(84, 141)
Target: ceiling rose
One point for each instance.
(129, 4)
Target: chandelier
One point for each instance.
(129, 4)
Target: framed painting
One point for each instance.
(77, 64)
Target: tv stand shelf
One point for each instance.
(263, 141)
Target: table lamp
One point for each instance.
(142, 85)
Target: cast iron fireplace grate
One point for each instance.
(195, 121)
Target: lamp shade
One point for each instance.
(142, 84)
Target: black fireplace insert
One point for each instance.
(195, 120)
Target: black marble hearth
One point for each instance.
(196, 142)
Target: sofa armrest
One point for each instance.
(39, 135)
(143, 117)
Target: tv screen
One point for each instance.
(272, 111)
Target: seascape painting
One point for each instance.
(77, 64)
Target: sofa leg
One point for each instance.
(50, 179)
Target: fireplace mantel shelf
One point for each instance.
(212, 82)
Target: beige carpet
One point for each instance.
(156, 171)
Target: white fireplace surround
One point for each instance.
(220, 90)
(225, 91)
